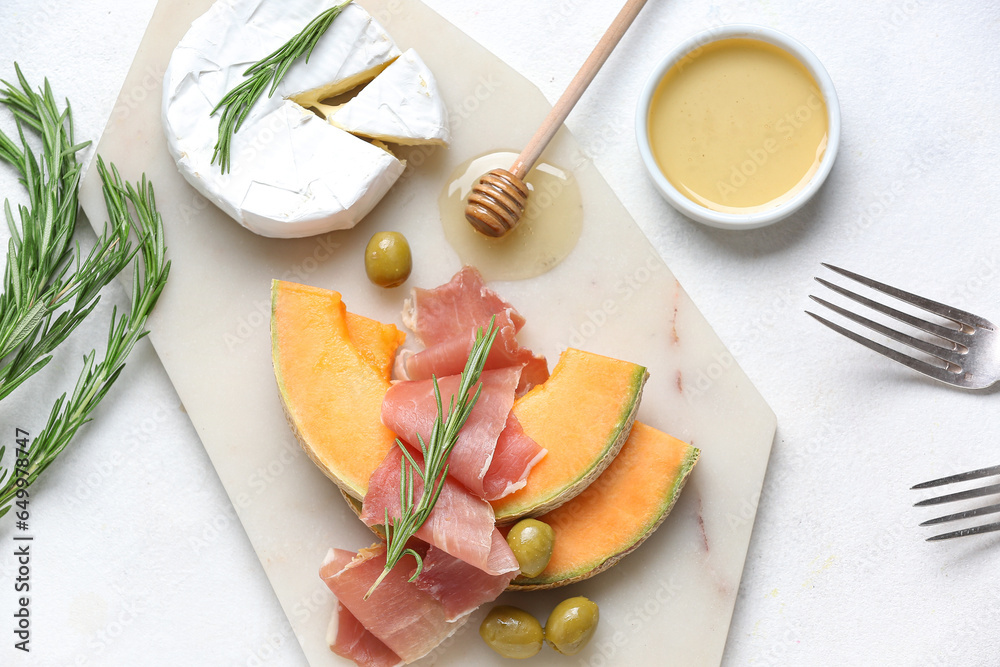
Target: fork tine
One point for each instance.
(961, 495)
(953, 314)
(935, 372)
(936, 329)
(987, 528)
(961, 477)
(967, 514)
(942, 353)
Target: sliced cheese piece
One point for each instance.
(402, 106)
(292, 174)
(354, 49)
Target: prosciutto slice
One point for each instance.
(410, 408)
(458, 586)
(514, 457)
(445, 320)
(460, 524)
(402, 621)
(409, 621)
(349, 639)
(448, 356)
(454, 308)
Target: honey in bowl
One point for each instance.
(738, 125)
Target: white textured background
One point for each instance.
(138, 557)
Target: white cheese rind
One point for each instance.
(402, 105)
(312, 172)
(292, 174)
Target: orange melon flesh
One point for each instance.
(617, 511)
(376, 342)
(582, 415)
(331, 388)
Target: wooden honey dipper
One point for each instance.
(497, 201)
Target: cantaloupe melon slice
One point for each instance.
(332, 383)
(582, 415)
(615, 514)
(618, 511)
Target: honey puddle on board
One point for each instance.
(738, 125)
(548, 231)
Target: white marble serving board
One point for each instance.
(613, 295)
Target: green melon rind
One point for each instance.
(356, 507)
(590, 569)
(616, 440)
(345, 486)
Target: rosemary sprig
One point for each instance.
(38, 280)
(444, 435)
(96, 377)
(237, 103)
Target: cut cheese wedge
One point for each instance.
(402, 105)
(292, 174)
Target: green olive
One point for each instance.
(387, 259)
(571, 625)
(531, 541)
(512, 632)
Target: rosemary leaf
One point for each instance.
(237, 102)
(41, 276)
(72, 411)
(444, 435)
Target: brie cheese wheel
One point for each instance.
(402, 105)
(292, 174)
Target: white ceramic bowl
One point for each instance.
(758, 218)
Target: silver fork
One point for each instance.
(966, 355)
(962, 495)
